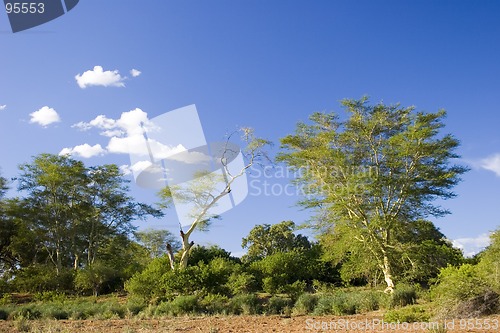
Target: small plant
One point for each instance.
(305, 304)
(403, 295)
(215, 303)
(324, 305)
(247, 304)
(23, 324)
(6, 299)
(278, 305)
(408, 314)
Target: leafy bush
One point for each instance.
(242, 283)
(215, 303)
(305, 304)
(49, 296)
(407, 314)
(94, 278)
(247, 304)
(344, 303)
(181, 305)
(462, 292)
(278, 305)
(146, 283)
(403, 295)
(39, 278)
(135, 305)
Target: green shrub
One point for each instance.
(295, 289)
(407, 314)
(305, 304)
(462, 292)
(242, 283)
(49, 296)
(278, 305)
(344, 303)
(6, 299)
(324, 305)
(135, 305)
(247, 304)
(4, 314)
(215, 303)
(146, 283)
(184, 305)
(26, 311)
(53, 311)
(403, 295)
(370, 300)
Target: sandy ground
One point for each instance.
(253, 324)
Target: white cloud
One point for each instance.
(136, 168)
(99, 77)
(135, 72)
(45, 116)
(472, 245)
(491, 163)
(126, 135)
(85, 151)
(3, 107)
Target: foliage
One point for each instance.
(463, 292)
(246, 304)
(278, 305)
(155, 241)
(403, 295)
(94, 277)
(282, 269)
(305, 304)
(489, 263)
(265, 240)
(146, 284)
(373, 175)
(207, 254)
(408, 314)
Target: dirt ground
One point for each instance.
(248, 324)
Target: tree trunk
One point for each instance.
(186, 246)
(386, 269)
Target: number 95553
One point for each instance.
(25, 8)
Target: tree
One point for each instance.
(209, 188)
(372, 175)
(489, 262)
(264, 240)
(154, 240)
(73, 211)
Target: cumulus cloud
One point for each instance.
(45, 116)
(491, 163)
(136, 168)
(3, 107)
(99, 77)
(135, 72)
(126, 135)
(85, 151)
(472, 245)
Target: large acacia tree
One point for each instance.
(372, 175)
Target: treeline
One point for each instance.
(69, 228)
(372, 181)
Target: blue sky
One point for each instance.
(264, 64)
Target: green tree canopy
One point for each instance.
(373, 175)
(265, 240)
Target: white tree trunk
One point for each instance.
(386, 269)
